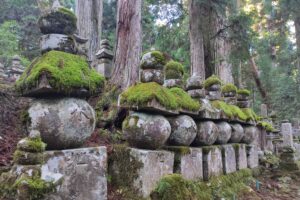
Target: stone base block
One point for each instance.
(197, 93)
(140, 170)
(83, 172)
(252, 156)
(241, 156)
(228, 159)
(57, 42)
(214, 95)
(188, 164)
(212, 162)
(152, 75)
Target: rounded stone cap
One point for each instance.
(194, 82)
(153, 60)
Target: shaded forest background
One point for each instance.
(271, 33)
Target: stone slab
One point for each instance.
(83, 172)
(287, 134)
(241, 156)
(191, 165)
(212, 162)
(228, 159)
(252, 156)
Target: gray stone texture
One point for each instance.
(237, 133)
(184, 130)
(243, 104)
(152, 75)
(228, 159)
(287, 134)
(251, 133)
(57, 42)
(230, 100)
(146, 131)
(194, 82)
(151, 62)
(156, 164)
(212, 162)
(224, 132)
(170, 83)
(197, 93)
(63, 123)
(207, 133)
(83, 173)
(191, 165)
(241, 156)
(252, 156)
(214, 95)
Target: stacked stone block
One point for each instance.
(173, 75)
(194, 87)
(243, 99)
(104, 57)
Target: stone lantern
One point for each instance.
(104, 59)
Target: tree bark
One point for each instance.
(196, 39)
(129, 43)
(297, 28)
(89, 20)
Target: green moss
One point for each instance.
(229, 88)
(35, 145)
(251, 115)
(159, 57)
(184, 100)
(267, 126)
(174, 70)
(212, 80)
(28, 158)
(244, 92)
(207, 149)
(35, 187)
(158, 62)
(182, 150)
(65, 71)
(174, 187)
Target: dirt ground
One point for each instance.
(275, 185)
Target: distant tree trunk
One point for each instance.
(297, 28)
(196, 40)
(128, 44)
(89, 20)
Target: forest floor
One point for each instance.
(275, 185)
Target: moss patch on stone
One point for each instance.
(174, 98)
(184, 100)
(174, 70)
(175, 187)
(64, 71)
(251, 115)
(35, 145)
(158, 62)
(244, 92)
(267, 126)
(212, 80)
(229, 88)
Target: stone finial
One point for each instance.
(105, 50)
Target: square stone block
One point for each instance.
(252, 156)
(212, 162)
(229, 159)
(241, 156)
(83, 173)
(190, 165)
(151, 166)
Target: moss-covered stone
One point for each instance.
(28, 158)
(153, 60)
(65, 72)
(174, 98)
(228, 88)
(174, 187)
(61, 21)
(267, 126)
(244, 92)
(33, 145)
(212, 80)
(174, 70)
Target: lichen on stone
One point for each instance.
(64, 71)
(153, 60)
(212, 80)
(174, 70)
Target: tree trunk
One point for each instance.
(89, 20)
(196, 40)
(259, 85)
(128, 44)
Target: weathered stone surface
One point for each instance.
(57, 42)
(228, 159)
(213, 95)
(184, 130)
(214, 87)
(241, 156)
(63, 123)
(229, 94)
(152, 75)
(197, 93)
(28, 158)
(243, 104)
(58, 21)
(208, 111)
(242, 97)
(194, 82)
(212, 162)
(83, 172)
(150, 61)
(230, 100)
(288, 159)
(207, 133)
(250, 134)
(287, 134)
(146, 131)
(170, 83)
(191, 164)
(237, 133)
(224, 132)
(252, 156)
